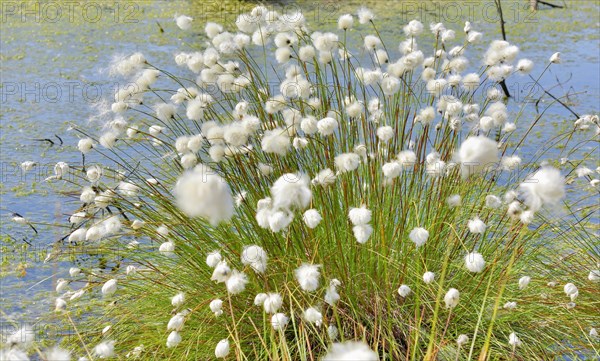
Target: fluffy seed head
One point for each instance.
(350, 351)
(474, 262)
(451, 298)
(404, 290)
(419, 236)
(279, 321)
(308, 276)
(272, 302)
(203, 193)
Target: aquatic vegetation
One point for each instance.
(286, 197)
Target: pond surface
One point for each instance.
(55, 59)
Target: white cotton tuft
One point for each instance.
(474, 262)
(279, 321)
(371, 42)
(108, 140)
(74, 271)
(476, 225)
(436, 86)
(283, 55)
(173, 339)
(526, 217)
(365, 15)
(78, 235)
(407, 158)
(477, 153)
(451, 298)
(13, 354)
(571, 290)
(524, 282)
(310, 125)
(222, 348)
(236, 283)
(184, 22)
(509, 163)
(524, 66)
(325, 177)
(109, 287)
(332, 332)
(390, 85)
(514, 340)
(167, 248)
(176, 322)
(544, 187)
(312, 218)
(350, 351)
(255, 257)
(60, 169)
(24, 336)
(471, 82)
(178, 299)
(259, 299)
(313, 315)
(61, 285)
(583, 172)
(308, 276)
(195, 109)
(359, 216)
(404, 291)
(474, 37)
(272, 302)
(291, 191)
(276, 141)
(28, 165)
(362, 232)
(428, 277)
(454, 200)
(354, 109)
(213, 259)
(306, 53)
(331, 295)
(300, 143)
(279, 220)
(347, 162)
(326, 126)
(212, 29)
(85, 145)
(425, 116)
(105, 349)
(413, 28)
(492, 201)
(60, 304)
(53, 354)
(345, 22)
(385, 133)
(203, 193)
(216, 307)
(221, 272)
(419, 236)
(391, 170)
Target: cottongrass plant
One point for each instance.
(289, 198)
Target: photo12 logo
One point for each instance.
(70, 11)
(27, 331)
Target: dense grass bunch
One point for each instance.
(287, 197)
